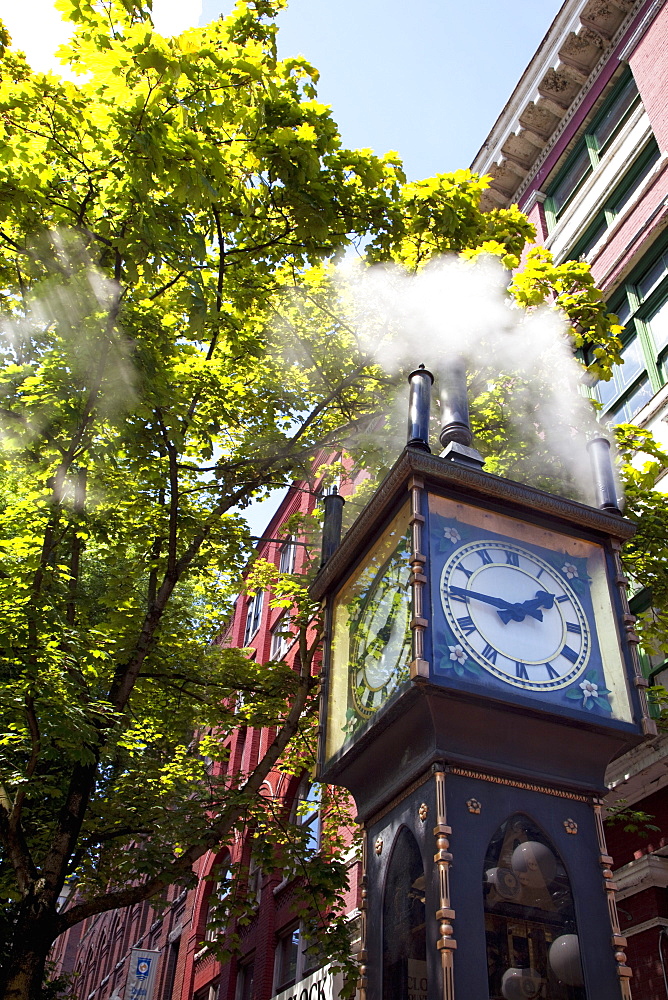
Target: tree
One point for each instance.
(166, 227)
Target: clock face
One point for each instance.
(371, 635)
(381, 637)
(516, 614)
(524, 611)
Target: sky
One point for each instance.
(425, 78)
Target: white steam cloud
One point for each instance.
(456, 308)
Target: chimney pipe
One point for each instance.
(419, 404)
(455, 405)
(456, 436)
(603, 474)
(331, 528)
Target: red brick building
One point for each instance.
(273, 956)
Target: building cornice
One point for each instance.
(565, 67)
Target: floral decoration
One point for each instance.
(592, 692)
(458, 654)
(474, 806)
(456, 658)
(569, 570)
(570, 826)
(452, 535)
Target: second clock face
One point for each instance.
(381, 637)
(515, 614)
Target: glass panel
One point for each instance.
(371, 642)
(288, 950)
(404, 939)
(623, 311)
(567, 183)
(615, 113)
(606, 391)
(637, 399)
(617, 205)
(658, 325)
(288, 554)
(592, 239)
(652, 277)
(633, 363)
(308, 813)
(532, 943)
(245, 987)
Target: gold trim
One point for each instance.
(418, 579)
(618, 941)
(362, 981)
(446, 943)
(632, 640)
(496, 779)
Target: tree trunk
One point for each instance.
(32, 940)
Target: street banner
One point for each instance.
(141, 974)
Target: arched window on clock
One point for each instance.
(404, 939)
(530, 930)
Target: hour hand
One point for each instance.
(531, 607)
(506, 610)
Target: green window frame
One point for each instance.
(642, 307)
(591, 147)
(615, 204)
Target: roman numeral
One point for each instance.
(574, 627)
(560, 600)
(468, 572)
(570, 654)
(512, 559)
(539, 573)
(521, 670)
(485, 556)
(551, 672)
(489, 653)
(466, 625)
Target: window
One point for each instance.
(288, 555)
(296, 957)
(245, 980)
(591, 147)
(530, 925)
(642, 306)
(618, 200)
(307, 812)
(280, 637)
(287, 955)
(253, 615)
(216, 911)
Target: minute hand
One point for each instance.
(514, 611)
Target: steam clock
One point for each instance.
(480, 674)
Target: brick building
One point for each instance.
(273, 955)
(582, 146)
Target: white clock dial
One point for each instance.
(381, 640)
(515, 614)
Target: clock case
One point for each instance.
(431, 718)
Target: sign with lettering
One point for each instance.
(320, 985)
(141, 974)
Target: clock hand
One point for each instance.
(531, 607)
(507, 610)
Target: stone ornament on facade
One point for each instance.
(423, 811)
(378, 846)
(474, 806)
(570, 826)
